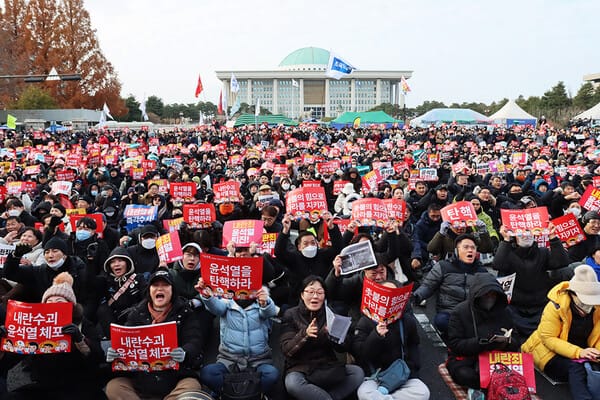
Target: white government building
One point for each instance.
(298, 88)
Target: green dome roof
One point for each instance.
(306, 56)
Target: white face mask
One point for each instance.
(525, 241)
(327, 180)
(575, 211)
(285, 186)
(149, 244)
(309, 251)
(14, 213)
(56, 265)
(583, 307)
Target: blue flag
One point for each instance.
(337, 68)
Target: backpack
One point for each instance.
(506, 384)
(241, 385)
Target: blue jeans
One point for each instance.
(565, 370)
(441, 321)
(212, 376)
(297, 385)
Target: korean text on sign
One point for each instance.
(381, 303)
(232, 277)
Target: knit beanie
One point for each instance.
(56, 243)
(62, 286)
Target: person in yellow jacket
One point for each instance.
(569, 332)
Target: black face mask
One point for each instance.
(515, 196)
(244, 303)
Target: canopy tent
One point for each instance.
(593, 113)
(366, 118)
(459, 116)
(251, 119)
(56, 128)
(511, 114)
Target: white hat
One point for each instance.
(585, 285)
(348, 188)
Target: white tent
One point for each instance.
(511, 114)
(592, 113)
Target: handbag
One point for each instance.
(327, 376)
(592, 371)
(397, 374)
(241, 385)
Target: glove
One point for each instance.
(74, 331)
(178, 354)
(92, 251)
(21, 249)
(55, 221)
(444, 228)
(3, 331)
(481, 226)
(111, 354)
(195, 303)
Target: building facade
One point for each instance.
(299, 89)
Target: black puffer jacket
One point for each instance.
(110, 285)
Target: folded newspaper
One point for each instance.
(357, 257)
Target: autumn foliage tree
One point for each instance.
(58, 33)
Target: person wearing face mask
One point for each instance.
(569, 332)
(575, 209)
(86, 244)
(327, 184)
(521, 255)
(480, 323)
(144, 254)
(591, 228)
(16, 208)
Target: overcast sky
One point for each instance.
(458, 50)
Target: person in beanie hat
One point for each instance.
(72, 375)
(163, 305)
(144, 253)
(569, 332)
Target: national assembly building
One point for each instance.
(299, 88)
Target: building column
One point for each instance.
(327, 102)
(378, 92)
(275, 95)
(301, 99)
(353, 95)
(249, 93)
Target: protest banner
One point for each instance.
(137, 174)
(507, 283)
(342, 223)
(14, 188)
(5, 250)
(242, 232)
(32, 170)
(532, 221)
(568, 230)
(518, 158)
(232, 277)
(329, 167)
(74, 218)
(227, 192)
(590, 200)
(182, 190)
(370, 181)
(36, 328)
(149, 165)
(459, 214)
(311, 184)
(518, 362)
(381, 303)
(338, 186)
(172, 225)
(137, 215)
(144, 348)
(199, 215)
(369, 212)
(75, 211)
(396, 209)
(168, 247)
(163, 185)
(280, 170)
(357, 257)
(428, 174)
(62, 187)
(302, 201)
(268, 244)
(65, 175)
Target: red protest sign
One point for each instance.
(227, 191)
(311, 184)
(163, 185)
(459, 214)
(371, 180)
(280, 170)
(568, 230)
(596, 181)
(144, 348)
(14, 188)
(243, 232)
(168, 247)
(232, 277)
(149, 165)
(396, 209)
(370, 212)
(74, 218)
(268, 244)
(183, 190)
(172, 225)
(137, 174)
(381, 303)
(301, 201)
(36, 328)
(199, 215)
(342, 223)
(329, 167)
(532, 221)
(518, 362)
(590, 200)
(338, 186)
(65, 175)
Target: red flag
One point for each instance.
(199, 88)
(220, 108)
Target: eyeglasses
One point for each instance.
(312, 293)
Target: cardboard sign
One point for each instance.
(459, 214)
(533, 221)
(243, 232)
(199, 215)
(338, 186)
(268, 244)
(138, 215)
(381, 303)
(172, 225)
(62, 187)
(370, 181)
(508, 284)
(370, 212)
(396, 209)
(518, 362)
(232, 277)
(302, 201)
(144, 348)
(183, 190)
(227, 191)
(36, 328)
(590, 200)
(168, 247)
(568, 230)
(74, 218)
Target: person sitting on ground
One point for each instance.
(591, 227)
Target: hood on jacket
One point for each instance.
(119, 252)
(485, 283)
(537, 184)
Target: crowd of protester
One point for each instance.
(120, 279)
